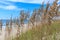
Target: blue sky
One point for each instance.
(13, 7)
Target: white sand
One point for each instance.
(2, 33)
(13, 33)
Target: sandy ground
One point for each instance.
(4, 34)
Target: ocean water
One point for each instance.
(26, 21)
(4, 22)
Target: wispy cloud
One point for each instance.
(3, 2)
(9, 7)
(33, 1)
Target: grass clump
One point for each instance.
(42, 33)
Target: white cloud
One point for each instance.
(33, 1)
(29, 1)
(3, 2)
(12, 7)
(9, 7)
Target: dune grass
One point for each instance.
(41, 33)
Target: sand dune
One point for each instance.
(4, 34)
